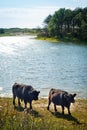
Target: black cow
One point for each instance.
(24, 92)
(60, 97)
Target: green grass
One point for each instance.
(64, 40)
(40, 118)
(50, 39)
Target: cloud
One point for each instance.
(26, 17)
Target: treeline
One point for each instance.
(67, 23)
(17, 31)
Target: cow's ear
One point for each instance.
(38, 92)
(74, 94)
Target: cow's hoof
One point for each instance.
(25, 110)
(48, 108)
(15, 107)
(62, 113)
(69, 113)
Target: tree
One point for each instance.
(66, 22)
(47, 20)
(1, 31)
(68, 19)
(56, 23)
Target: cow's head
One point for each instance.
(70, 97)
(35, 94)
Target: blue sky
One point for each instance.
(31, 13)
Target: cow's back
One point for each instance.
(21, 90)
(52, 91)
(57, 96)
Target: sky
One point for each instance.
(32, 13)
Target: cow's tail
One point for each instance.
(52, 91)
(14, 88)
(50, 94)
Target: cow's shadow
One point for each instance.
(19, 108)
(27, 111)
(66, 116)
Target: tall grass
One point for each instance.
(41, 119)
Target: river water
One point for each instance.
(44, 65)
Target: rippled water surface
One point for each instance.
(43, 65)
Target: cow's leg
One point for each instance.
(69, 110)
(55, 108)
(63, 110)
(25, 104)
(14, 100)
(49, 102)
(19, 102)
(30, 105)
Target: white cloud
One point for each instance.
(25, 17)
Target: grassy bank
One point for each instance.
(48, 39)
(40, 118)
(64, 39)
